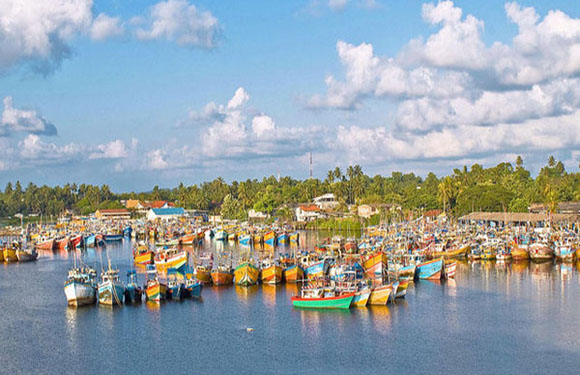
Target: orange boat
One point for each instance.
(375, 265)
(293, 273)
(62, 243)
(45, 244)
(222, 275)
(271, 273)
(188, 239)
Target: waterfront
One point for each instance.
(493, 318)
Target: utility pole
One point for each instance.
(311, 165)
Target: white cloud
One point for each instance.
(240, 98)
(26, 121)
(36, 151)
(105, 27)
(262, 126)
(113, 150)
(156, 160)
(39, 31)
(184, 23)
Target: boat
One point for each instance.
(375, 266)
(271, 272)
(170, 258)
(361, 297)
(45, 244)
(294, 237)
(430, 270)
(222, 275)
(293, 273)
(321, 298)
(113, 237)
(174, 286)
(520, 252)
(75, 242)
(133, 291)
(26, 255)
(541, 252)
(188, 239)
(89, 240)
(245, 239)
(220, 235)
(9, 252)
(246, 274)
(380, 295)
(315, 269)
(406, 272)
(402, 287)
(564, 250)
(449, 270)
(61, 243)
(80, 287)
(155, 290)
(111, 290)
(193, 288)
(282, 239)
(142, 254)
(270, 238)
(203, 274)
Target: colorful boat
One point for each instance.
(361, 297)
(293, 273)
(61, 243)
(430, 270)
(315, 299)
(133, 291)
(45, 244)
(188, 239)
(142, 254)
(245, 239)
(270, 238)
(26, 255)
(9, 253)
(401, 291)
(380, 295)
(170, 258)
(222, 275)
(193, 288)
(174, 286)
(282, 239)
(271, 272)
(316, 269)
(449, 270)
(203, 274)
(294, 237)
(221, 235)
(75, 242)
(246, 274)
(155, 290)
(541, 252)
(375, 266)
(111, 290)
(113, 237)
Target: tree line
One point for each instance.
(505, 187)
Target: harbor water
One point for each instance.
(493, 318)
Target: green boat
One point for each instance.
(335, 302)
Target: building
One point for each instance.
(257, 215)
(215, 219)
(131, 204)
(326, 202)
(518, 218)
(113, 214)
(563, 208)
(308, 212)
(170, 213)
(368, 210)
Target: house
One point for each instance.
(131, 204)
(257, 215)
(308, 212)
(169, 213)
(432, 215)
(113, 214)
(563, 208)
(368, 210)
(326, 202)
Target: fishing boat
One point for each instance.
(142, 254)
(402, 287)
(222, 275)
(246, 274)
(270, 238)
(89, 240)
(75, 242)
(174, 286)
(61, 243)
(245, 239)
(430, 270)
(294, 237)
(155, 290)
(111, 290)
(271, 272)
(564, 250)
(321, 298)
(361, 297)
(26, 255)
(203, 274)
(9, 252)
(293, 273)
(220, 235)
(133, 291)
(406, 272)
(380, 295)
(188, 239)
(541, 252)
(375, 266)
(519, 252)
(193, 288)
(80, 286)
(315, 268)
(449, 270)
(113, 237)
(282, 238)
(170, 258)
(44, 243)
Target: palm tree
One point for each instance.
(552, 161)
(337, 173)
(519, 161)
(330, 177)
(445, 191)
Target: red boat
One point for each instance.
(62, 244)
(75, 242)
(46, 244)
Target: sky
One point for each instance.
(137, 93)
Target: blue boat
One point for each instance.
(317, 269)
(89, 240)
(282, 239)
(430, 270)
(113, 237)
(174, 286)
(127, 231)
(194, 288)
(133, 291)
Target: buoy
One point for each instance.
(249, 330)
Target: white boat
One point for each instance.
(80, 287)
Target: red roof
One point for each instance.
(310, 207)
(432, 213)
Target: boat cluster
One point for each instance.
(82, 287)
(14, 251)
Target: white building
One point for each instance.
(308, 213)
(259, 215)
(326, 202)
(165, 213)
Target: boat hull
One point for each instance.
(272, 275)
(111, 294)
(293, 274)
(222, 278)
(156, 291)
(79, 294)
(340, 302)
(380, 295)
(246, 274)
(430, 270)
(361, 298)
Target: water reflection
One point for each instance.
(381, 319)
(269, 294)
(246, 294)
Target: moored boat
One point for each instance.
(222, 275)
(111, 290)
(319, 298)
(246, 274)
(430, 270)
(80, 287)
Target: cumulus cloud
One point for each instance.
(113, 150)
(184, 23)
(26, 121)
(156, 160)
(39, 31)
(105, 27)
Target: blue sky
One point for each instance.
(157, 92)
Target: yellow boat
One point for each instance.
(380, 295)
(203, 275)
(361, 298)
(10, 255)
(459, 253)
(246, 274)
(1, 255)
(272, 274)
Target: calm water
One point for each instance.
(517, 318)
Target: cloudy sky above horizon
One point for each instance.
(138, 93)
